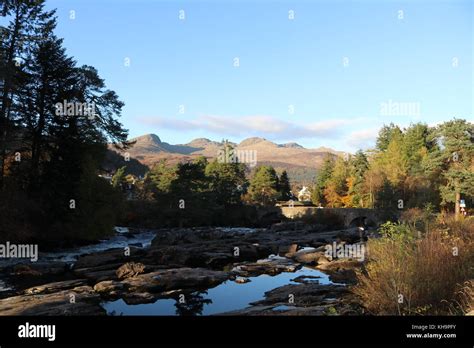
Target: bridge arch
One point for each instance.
(362, 221)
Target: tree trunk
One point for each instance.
(36, 144)
(457, 208)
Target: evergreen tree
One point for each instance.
(387, 197)
(61, 154)
(49, 73)
(420, 189)
(264, 185)
(158, 180)
(417, 144)
(284, 187)
(322, 179)
(190, 183)
(359, 166)
(452, 162)
(386, 134)
(227, 181)
(119, 177)
(29, 22)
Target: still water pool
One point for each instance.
(228, 296)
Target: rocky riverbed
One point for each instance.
(281, 270)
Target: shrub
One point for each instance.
(419, 219)
(464, 301)
(426, 269)
(396, 231)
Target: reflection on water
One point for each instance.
(193, 304)
(225, 297)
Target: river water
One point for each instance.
(225, 297)
(121, 239)
(228, 296)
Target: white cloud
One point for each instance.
(363, 138)
(257, 125)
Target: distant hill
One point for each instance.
(114, 161)
(300, 162)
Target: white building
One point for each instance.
(304, 195)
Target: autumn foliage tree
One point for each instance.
(418, 166)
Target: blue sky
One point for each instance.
(320, 79)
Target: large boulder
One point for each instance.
(110, 288)
(340, 264)
(312, 257)
(287, 250)
(130, 269)
(342, 270)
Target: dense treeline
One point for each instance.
(418, 167)
(421, 166)
(203, 193)
(56, 119)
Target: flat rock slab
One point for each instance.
(55, 287)
(58, 303)
(308, 299)
(96, 276)
(303, 295)
(280, 310)
(266, 266)
(215, 253)
(163, 280)
(112, 256)
(213, 248)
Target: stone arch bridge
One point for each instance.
(351, 217)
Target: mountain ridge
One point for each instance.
(155, 140)
(298, 161)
